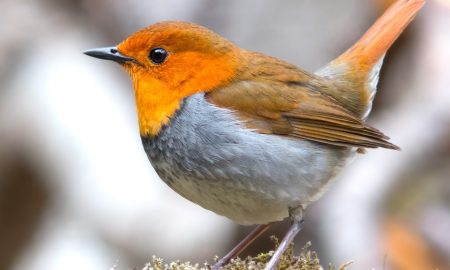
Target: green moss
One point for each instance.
(306, 260)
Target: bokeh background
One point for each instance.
(77, 191)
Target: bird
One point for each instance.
(246, 135)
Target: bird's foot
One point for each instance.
(296, 215)
(260, 229)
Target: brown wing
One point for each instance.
(296, 110)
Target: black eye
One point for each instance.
(158, 55)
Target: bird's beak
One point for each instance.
(109, 53)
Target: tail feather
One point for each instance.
(356, 70)
(378, 39)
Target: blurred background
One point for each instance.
(77, 191)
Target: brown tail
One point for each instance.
(380, 36)
(357, 69)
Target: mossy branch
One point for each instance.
(306, 260)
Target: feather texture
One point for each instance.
(285, 100)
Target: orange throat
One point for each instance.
(154, 106)
(160, 90)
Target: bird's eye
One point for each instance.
(157, 55)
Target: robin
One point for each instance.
(246, 135)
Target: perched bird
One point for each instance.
(246, 135)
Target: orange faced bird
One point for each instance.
(246, 135)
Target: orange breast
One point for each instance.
(160, 92)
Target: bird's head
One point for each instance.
(170, 61)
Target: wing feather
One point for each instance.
(294, 106)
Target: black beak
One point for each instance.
(109, 53)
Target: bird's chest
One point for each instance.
(208, 158)
(197, 175)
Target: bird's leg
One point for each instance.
(260, 229)
(296, 214)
